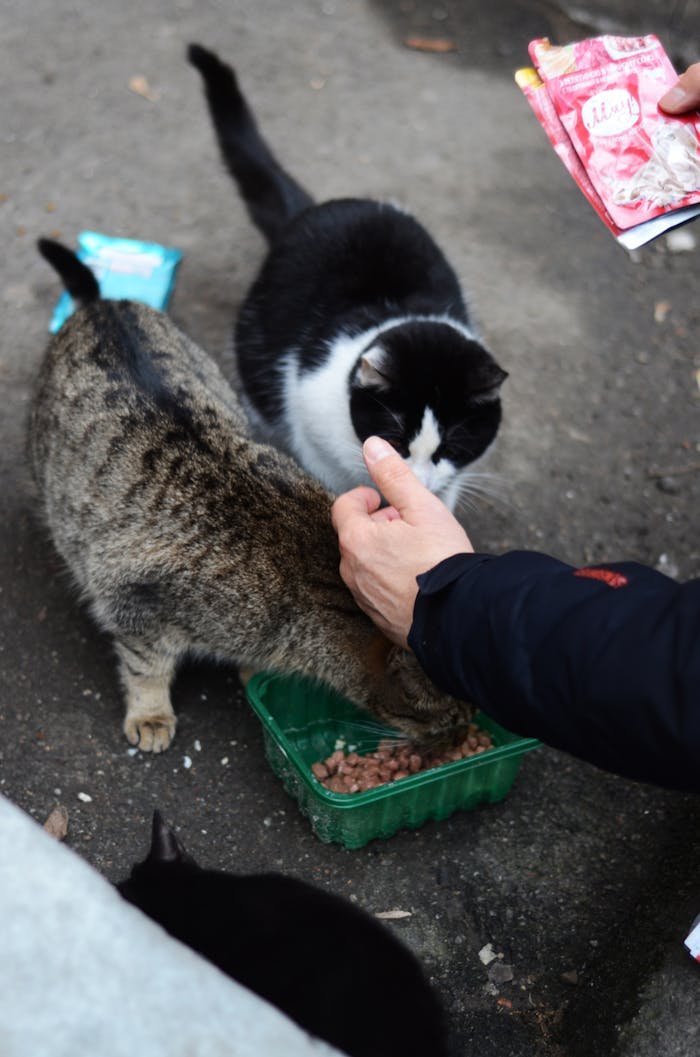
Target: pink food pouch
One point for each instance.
(535, 91)
(639, 168)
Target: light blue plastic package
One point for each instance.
(125, 268)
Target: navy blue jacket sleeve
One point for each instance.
(603, 663)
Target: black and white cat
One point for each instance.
(355, 325)
(327, 964)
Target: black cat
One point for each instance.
(330, 966)
(356, 325)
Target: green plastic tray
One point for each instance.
(302, 721)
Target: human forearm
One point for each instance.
(609, 674)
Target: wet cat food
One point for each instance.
(305, 724)
(350, 772)
(597, 100)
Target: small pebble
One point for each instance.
(661, 311)
(667, 566)
(85, 797)
(499, 973)
(186, 762)
(680, 241)
(487, 954)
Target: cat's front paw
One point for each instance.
(150, 733)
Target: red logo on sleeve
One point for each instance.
(606, 575)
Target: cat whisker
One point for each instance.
(375, 727)
(354, 450)
(354, 463)
(477, 488)
(488, 484)
(392, 414)
(365, 735)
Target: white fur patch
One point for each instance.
(317, 412)
(421, 450)
(434, 475)
(427, 439)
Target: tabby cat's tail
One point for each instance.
(77, 278)
(271, 196)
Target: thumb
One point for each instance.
(685, 93)
(677, 100)
(394, 478)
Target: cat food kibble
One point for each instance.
(349, 772)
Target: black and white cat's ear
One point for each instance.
(165, 847)
(488, 383)
(374, 369)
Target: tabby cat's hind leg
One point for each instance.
(147, 671)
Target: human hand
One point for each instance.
(384, 549)
(685, 95)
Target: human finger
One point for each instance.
(361, 501)
(685, 94)
(393, 477)
(386, 513)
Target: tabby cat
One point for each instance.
(184, 535)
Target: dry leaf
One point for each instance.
(141, 86)
(437, 44)
(57, 822)
(393, 915)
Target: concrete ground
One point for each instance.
(584, 883)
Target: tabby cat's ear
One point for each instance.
(374, 369)
(165, 847)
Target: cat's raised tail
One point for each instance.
(77, 278)
(271, 195)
